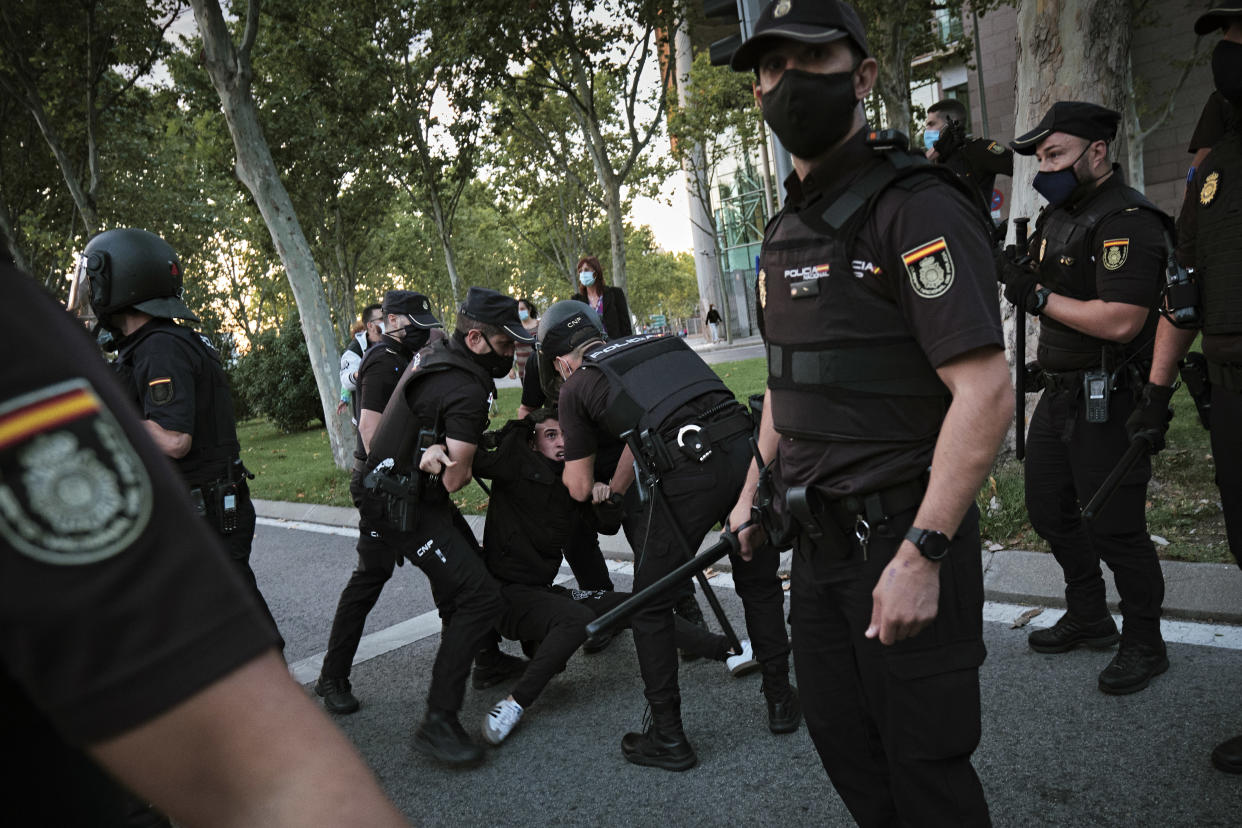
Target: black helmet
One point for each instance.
(128, 268)
(562, 328)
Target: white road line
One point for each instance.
(323, 529)
(414, 629)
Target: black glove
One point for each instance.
(952, 138)
(609, 514)
(1150, 419)
(1020, 277)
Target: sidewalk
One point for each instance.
(1196, 591)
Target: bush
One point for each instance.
(276, 381)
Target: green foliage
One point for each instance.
(660, 282)
(275, 379)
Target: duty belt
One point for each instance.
(859, 514)
(695, 439)
(1057, 381)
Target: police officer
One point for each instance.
(1210, 241)
(128, 283)
(1099, 259)
(128, 648)
(444, 397)
(696, 437)
(977, 160)
(877, 302)
(407, 322)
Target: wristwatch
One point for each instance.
(931, 544)
(1041, 300)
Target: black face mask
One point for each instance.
(495, 364)
(408, 341)
(809, 111)
(1227, 70)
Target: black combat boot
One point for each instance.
(784, 709)
(337, 695)
(442, 737)
(662, 744)
(1227, 756)
(491, 667)
(1071, 631)
(1133, 668)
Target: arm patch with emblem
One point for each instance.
(161, 390)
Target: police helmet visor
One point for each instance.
(79, 303)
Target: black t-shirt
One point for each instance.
(181, 386)
(377, 377)
(1218, 348)
(713, 315)
(455, 400)
(1216, 117)
(111, 613)
(962, 319)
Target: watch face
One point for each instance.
(931, 544)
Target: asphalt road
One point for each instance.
(1055, 751)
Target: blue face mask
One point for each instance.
(930, 137)
(587, 278)
(1056, 187)
(523, 314)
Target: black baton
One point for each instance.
(1019, 351)
(1137, 449)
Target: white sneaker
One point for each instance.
(744, 662)
(499, 723)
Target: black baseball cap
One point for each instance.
(1086, 120)
(1217, 17)
(494, 308)
(806, 21)
(413, 305)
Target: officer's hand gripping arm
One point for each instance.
(751, 537)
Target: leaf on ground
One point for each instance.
(1025, 618)
(785, 585)
(710, 573)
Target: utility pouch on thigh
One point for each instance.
(812, 523)
(394, 498)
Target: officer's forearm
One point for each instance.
(623, 475)
(579, 477)
(768, 443)
(368, 421)
(174, 444)
(459, 475)
(973, 428)
(1114, 321)
(1172, 343)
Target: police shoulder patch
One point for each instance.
(1208, 191)
(161, 390)
(930, 268)
(1116, 251)
(995, 148)
(72, 488)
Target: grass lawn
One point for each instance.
(1183, 504)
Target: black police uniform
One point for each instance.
(111, 613)
(978, 162)
(445, 391)
(180, 385)
(877, 270)
(530, 518)
(1107, 243)
(378, 375)
(674, 388)
(1209, 242)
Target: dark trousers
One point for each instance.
(556, 618)
(894, 725)
(1227, 452)
(695, 496)
(583, 555)
(238, 544)
(763, 603)
(450, 559)
(376, 559)
(1067, 459)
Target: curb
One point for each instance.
(1193, 591)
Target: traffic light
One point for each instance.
(724, 11)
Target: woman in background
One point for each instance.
(529, 314)
(608, 302)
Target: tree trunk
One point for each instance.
(10, 240)
(444, 234)
(1068, 50)
(230, 73)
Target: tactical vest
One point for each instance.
(642, 369)
(1067, 266)
(1218, 238)
(842, 363)
(213, 445)
(397, 433)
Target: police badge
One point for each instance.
(930, 268)
(72, 489)
(1210, 185)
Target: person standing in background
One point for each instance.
(607, 302)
